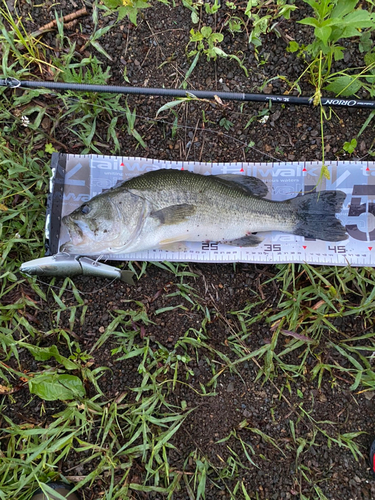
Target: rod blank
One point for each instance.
(200, 94)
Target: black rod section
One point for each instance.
(201, 94)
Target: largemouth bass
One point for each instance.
(163, 207)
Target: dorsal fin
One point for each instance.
(251, 185)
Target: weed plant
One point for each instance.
(128, 8)
(333, 22)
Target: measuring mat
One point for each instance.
(77, 178)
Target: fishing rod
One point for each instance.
(200, 94)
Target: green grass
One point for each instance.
(139, 425)
(124, 443)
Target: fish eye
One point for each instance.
(85, 209)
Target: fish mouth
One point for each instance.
(77, 236)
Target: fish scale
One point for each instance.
(167, 206)
(207, 192)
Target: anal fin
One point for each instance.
(175, 244)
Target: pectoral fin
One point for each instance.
(246, 241)
(174, 214)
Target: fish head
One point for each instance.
(100, 224)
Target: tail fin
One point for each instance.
(316, 215)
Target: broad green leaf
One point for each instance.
(195, 36)
(293, 46)
(351, 25)
(323, 33)
(312, 4)
(112, 4)
(132, 14)
(286, 11)
(310, 21)
(350, 146)
(344, 85)
(250, 5)
(122, 12)
(219, 52)
(347, 32)
(370, 58)
(365, 42)
(206, 31)
(194, 17)
(338, 52)
(329, 22)
(318, 7)
(358, 19)
(55, 386)
(217, 37)
(254, 39)
(343, 7)
(46, 353)
(48, 148)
